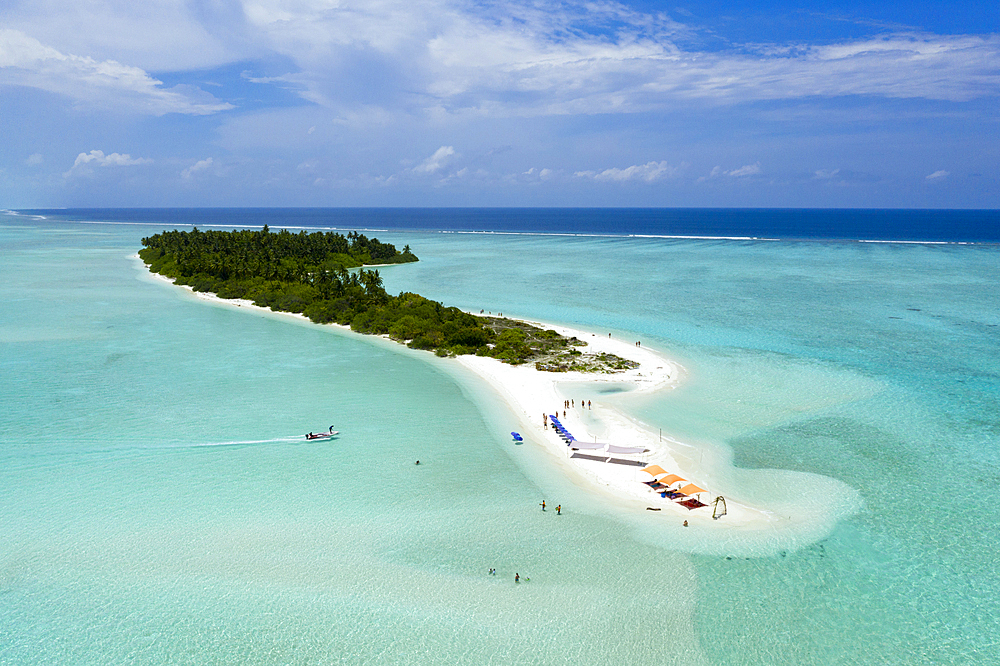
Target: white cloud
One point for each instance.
(938, 175)
(200, 165)
(532, 175)
(747, 170)
(441, 57)
(435, 162)
(84, 161)
(27, 62)
(156, 35)
(34, 159)
(648, 172)
(742, 172)
(538, 58)
(826, 174)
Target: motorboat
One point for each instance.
(322, 435)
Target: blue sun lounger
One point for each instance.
(517, 437)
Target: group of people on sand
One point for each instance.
(567, 404)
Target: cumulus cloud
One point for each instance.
(84, 161)
(938, 175)
(25, 61)
(435, 162)
(648, 172)
(532, 175)
(200, 165)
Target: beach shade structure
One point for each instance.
(577, 444)
(691, 489)
(665, 482)
(671, 479)
(653, 470)
(611, 448)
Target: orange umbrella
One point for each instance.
(653, 470)
(691, 489)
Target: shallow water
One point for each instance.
(159, 504)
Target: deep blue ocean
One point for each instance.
(159, 505)
(902, 225)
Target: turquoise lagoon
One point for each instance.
(160, 505)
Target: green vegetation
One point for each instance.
(307, 273)
(518, 342)
(575, 361)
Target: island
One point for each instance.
(308, 274)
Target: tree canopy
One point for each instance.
(308, 274)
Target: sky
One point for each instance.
(849, 104)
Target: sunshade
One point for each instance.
(671, 478)
(653, 470)
(691, 489)
(577, 444)
(611, 448)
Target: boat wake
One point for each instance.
(250, 442)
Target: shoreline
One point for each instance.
(527, 393)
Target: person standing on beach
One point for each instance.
(559, 509)
(543, 505)
(517, 578)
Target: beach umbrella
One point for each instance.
(653, 470)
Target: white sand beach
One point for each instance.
(530, 393)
